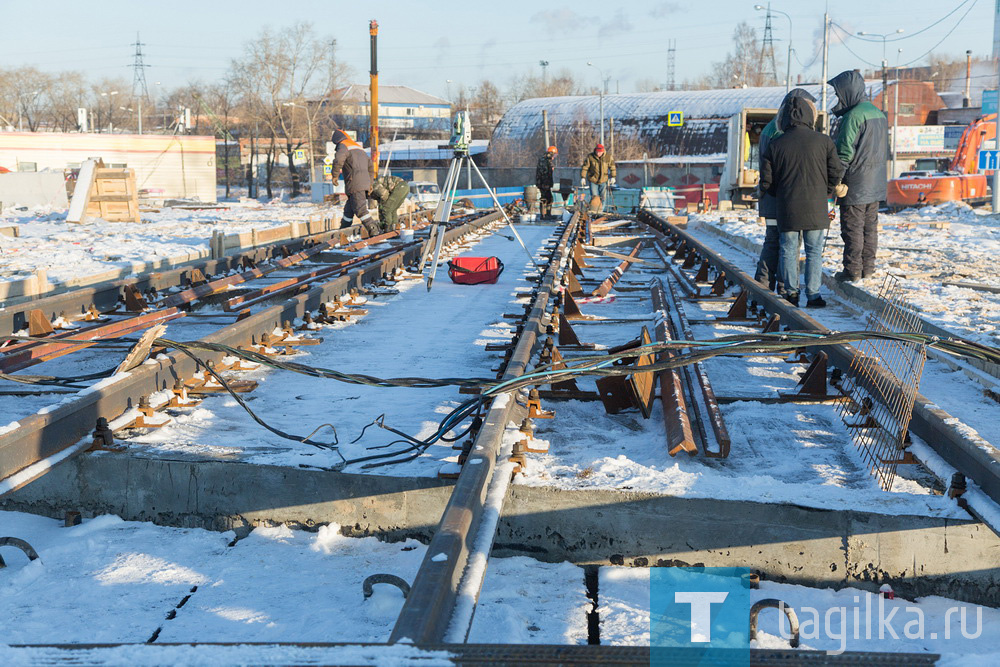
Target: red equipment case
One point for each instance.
(475, 270)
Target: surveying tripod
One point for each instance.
(460, 139)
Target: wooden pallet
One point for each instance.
(109, 194)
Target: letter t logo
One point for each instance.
(701, 611)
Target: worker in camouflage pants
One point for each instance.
(390, 193)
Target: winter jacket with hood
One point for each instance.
(767, 207)
(598, 169)
(800, 169)
(351, 158)
(862, 140)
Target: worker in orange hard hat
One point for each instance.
(543, 179)
(598, 171)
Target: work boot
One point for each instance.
(816, 302)
(372, 227)
(792, 298)
(867, 273)
(845, 277)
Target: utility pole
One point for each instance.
(767, 47)
(373, 114)
(826, 72)
(996, 144)
(968, 78)
(545, 124)
(139, 79)
(671, 56)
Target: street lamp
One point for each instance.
(312, 176)
(601, 72)
(885, 63)
(788, 70)
(448, 84)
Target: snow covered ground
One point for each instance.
(923, 257)
(109, 580)
(834, 621)
(440, 333)
(800, 453)
(67, 251)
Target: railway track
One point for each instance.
(680, 280)
(32, 443)
(441, 603)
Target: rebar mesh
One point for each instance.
(882, 385)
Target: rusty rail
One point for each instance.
(930, 423)
(430, 607)
(680, 437)
(43, 435)
(605, 287)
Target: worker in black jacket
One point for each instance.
(802, 170)
(863, 145)
(543, 179)
(767, 207)
(359, 173)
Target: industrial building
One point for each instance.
(403, 111)
(167, 166)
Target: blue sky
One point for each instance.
(424, 44)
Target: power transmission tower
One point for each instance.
(767, 49)
(139, 71)
(671, 55)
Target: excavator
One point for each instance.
(959, 183)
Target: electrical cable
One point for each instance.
(922, 30)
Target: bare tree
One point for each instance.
(743, 66)
(278, 72)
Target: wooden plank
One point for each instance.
(979, 287)
(618, 255)
(111, 198)
(605, 241)
(81, 195)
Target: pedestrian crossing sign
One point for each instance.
(675, 118)
(300, 154)
(327, 169)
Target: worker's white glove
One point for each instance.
(583, 182)
(840, 190)
(611, 182)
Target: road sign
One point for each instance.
(988, 160)
(675, 118)
(989, 102)
(327, 169)
(300, 154)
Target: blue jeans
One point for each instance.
(599, 190)
(789, 263)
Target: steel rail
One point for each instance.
(105, 297)
(930, 423)
(545, 655)
(42, 435)
(434, 596)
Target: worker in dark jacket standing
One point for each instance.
(802, 170)
(359, 173)
(863, 146)
(543, 179)
(767, 207)
(598, 171)
(390, 193)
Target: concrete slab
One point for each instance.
(917, 555)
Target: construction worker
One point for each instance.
(767, 205)
(862, 143)
(598, 171)
(801, 170)
(359, 173)
(390, 193)
(543, 179)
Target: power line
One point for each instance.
(139, 70)
(947, 34)
(922, 30)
